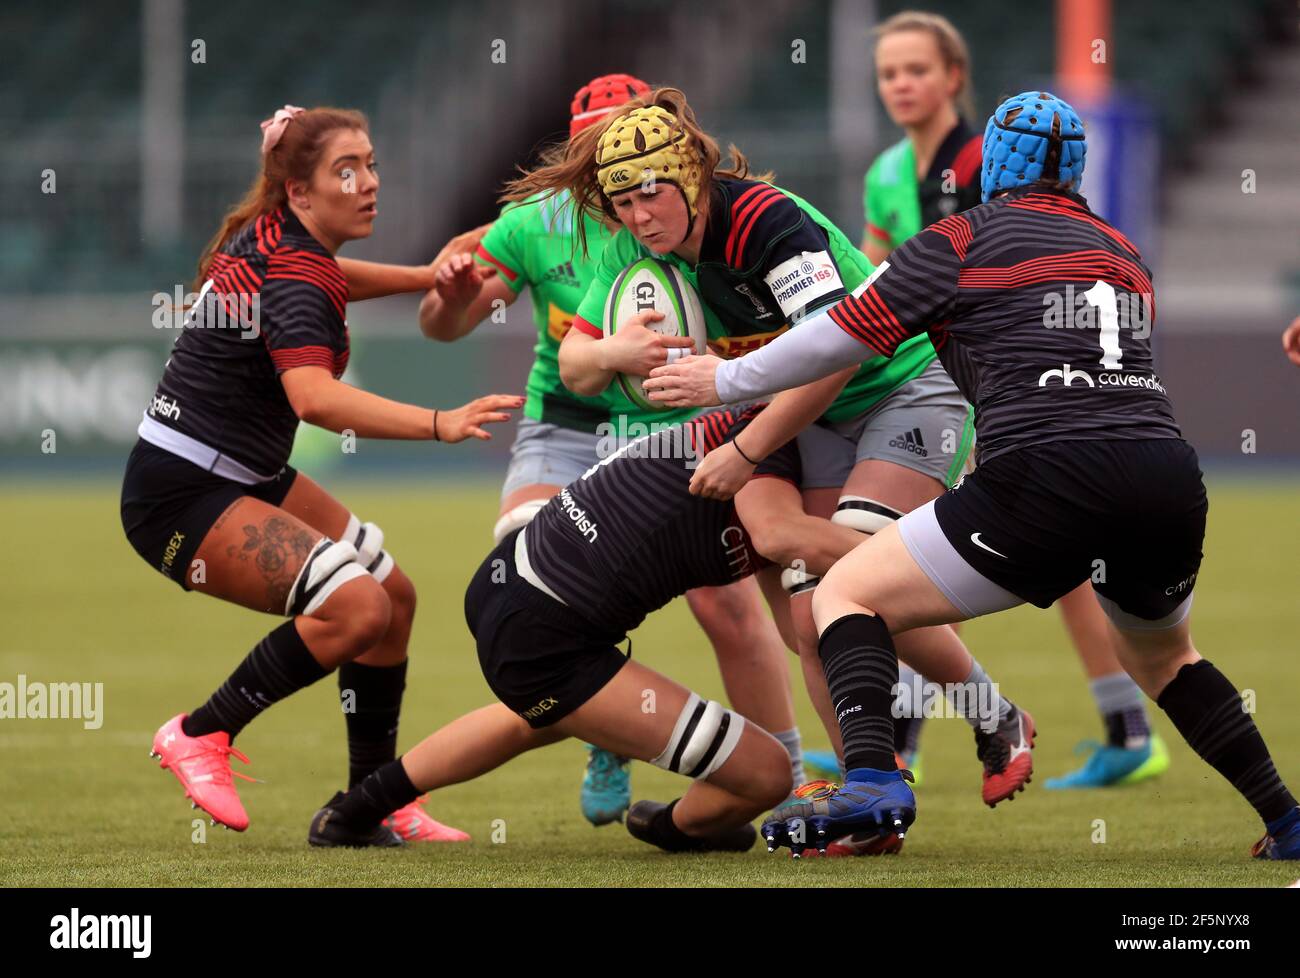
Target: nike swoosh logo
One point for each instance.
(975, 539)
(1022, 747)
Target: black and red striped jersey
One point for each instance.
(1041, 313)
(628, 536)
(749, 269)
(275, 299)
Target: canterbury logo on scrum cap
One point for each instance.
(648, 142)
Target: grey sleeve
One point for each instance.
(815, 348)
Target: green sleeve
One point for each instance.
(866, 196)
(504, 244)
(618, 254)
(873, 205)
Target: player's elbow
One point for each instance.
(580, 384)
(308, 392)
(310, 410)
(578, 376)
(431, 320)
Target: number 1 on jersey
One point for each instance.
(1102, 295)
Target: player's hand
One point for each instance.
(634, 349)
(687, 383)
(465, 243)
(460, 279)
(463, 422)
(721, 474)
(1291, 341)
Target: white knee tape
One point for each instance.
(797, 580)
(327, 568)
(369, 541)
(704, 737)
(521, 515)
(864, 515)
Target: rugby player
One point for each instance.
(550, 605)
(762, 258)
(209, 500)
(922, 73)
(533, 244)
(1084, 475)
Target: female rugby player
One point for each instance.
(762, 259)
(549, 606)
(1084, 474)
(923, 81)
(562, 434)
(209, 500)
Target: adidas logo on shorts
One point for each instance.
(910, 441)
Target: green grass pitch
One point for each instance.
(83, 807)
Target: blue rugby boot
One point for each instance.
(869, 801)
(1282, 840)
(825, 763)
(606, 787)
(1109, 765)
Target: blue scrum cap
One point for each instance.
(1032, 136)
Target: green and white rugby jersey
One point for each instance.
(534, 243)
(897, 205)
(768, 259)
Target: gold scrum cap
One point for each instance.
(648, 139)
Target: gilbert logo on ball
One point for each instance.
(655, 284)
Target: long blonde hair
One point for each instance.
(571, 166)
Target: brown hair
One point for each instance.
(952, 47)
(294, 157)
(571, 166)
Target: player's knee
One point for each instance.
(369, 542)
(867, 516)
(773, 540)
(703, 739)
(824, 600)
(401, 596)
(718, 610)
(517, 518)
(771, 781)
(361, 614)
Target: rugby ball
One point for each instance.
(652, 283)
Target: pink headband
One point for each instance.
(273, 128)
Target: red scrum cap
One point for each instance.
(596, 98)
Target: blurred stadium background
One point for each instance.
(144, 144)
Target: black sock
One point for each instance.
(279, 665)
(667, 834)
(372, 700)
(861, 669)
(1207, 710)
(907, 734)
(383, 792)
